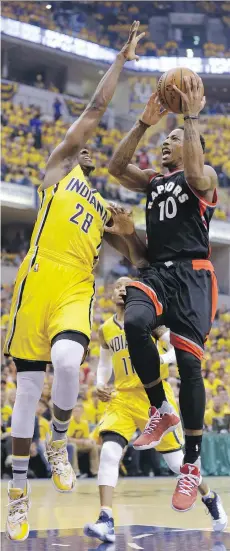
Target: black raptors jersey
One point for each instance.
(177, 219)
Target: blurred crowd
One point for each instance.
(106, 23)
(28, 138)
(83, 442)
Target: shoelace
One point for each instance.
(187, 483)
(56, 458)
(20, 507)
(152, 424)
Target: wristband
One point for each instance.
(147, 125)
(187, 117)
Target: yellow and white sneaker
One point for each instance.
(63, 476)
(17, 525)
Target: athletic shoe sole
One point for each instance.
(92, 534)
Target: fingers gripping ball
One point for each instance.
(170, 98)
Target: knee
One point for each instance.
(65, 359)
(135, 324)
(111, 454)
(174, 460)
(189, 366)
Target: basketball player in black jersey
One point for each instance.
(179, 287)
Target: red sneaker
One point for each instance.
(157, 427)
(186, 490)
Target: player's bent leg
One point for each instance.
(29, 389)
(66, 353)
(111, 454)
(192, 405)
(139, 322)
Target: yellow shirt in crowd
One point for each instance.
(78, 430)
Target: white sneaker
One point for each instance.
(17, 525)
(63, 475)
(103, 529)
(217, 512)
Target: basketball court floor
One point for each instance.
(143, 515)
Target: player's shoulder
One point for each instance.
(107, 324)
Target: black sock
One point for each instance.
(156, 395)
(192, 448)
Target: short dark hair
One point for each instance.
(202, 140)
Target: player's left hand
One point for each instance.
(121, 222)
(193, 100)
(128, 50)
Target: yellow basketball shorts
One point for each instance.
(49, 298)
(128, 410)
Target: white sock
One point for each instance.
(107, 510)
(166, 408)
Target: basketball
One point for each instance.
(169, 97)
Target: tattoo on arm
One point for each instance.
(124, 152)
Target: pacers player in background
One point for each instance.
(51, 310)
(127, 411)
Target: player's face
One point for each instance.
(119, 290)
(172, 149)
(85, 160)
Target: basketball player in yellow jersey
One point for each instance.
(127, 411)
(52, 302)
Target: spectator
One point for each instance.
(57, 104)
(39, 82)
(36, 127)
(214, 412)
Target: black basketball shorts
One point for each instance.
(185, 296)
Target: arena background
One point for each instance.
(53, 56)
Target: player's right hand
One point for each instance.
(104, 393)
(153, 111)
(128, 50)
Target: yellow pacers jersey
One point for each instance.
(124, 372)
(71, 220)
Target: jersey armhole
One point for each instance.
(202, 200)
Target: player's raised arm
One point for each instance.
(82, 129)
(198, 175)
(129, 175)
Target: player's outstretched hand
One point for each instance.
(121, 222)
(129, 49)
(193, 100)
(153, 111)
(104, 393)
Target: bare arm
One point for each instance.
(82, 129)
(198, 175)
(129, 175)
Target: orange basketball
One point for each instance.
(169, 98)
